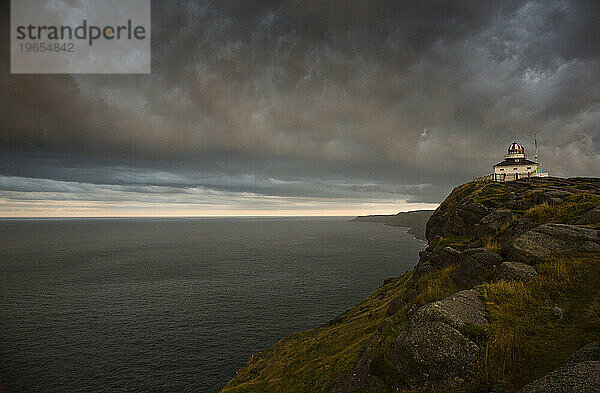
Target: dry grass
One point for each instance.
(542, 212)
(523, 340)
(493, 245)
(570, 209)
(454, 241)
(435, 286)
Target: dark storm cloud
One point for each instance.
(323, 99)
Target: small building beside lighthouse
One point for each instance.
(515, 166)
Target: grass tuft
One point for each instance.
(435, 286)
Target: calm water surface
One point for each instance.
(166, 305)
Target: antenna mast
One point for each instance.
(536, 153)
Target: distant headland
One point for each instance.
(415, 220)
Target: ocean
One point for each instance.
(174, 305)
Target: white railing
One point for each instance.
(509, 176)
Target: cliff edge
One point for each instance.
(506, 292)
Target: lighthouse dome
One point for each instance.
(515, 151)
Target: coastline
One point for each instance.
(415, 221)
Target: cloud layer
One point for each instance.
(335, 102)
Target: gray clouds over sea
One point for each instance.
(315, 105)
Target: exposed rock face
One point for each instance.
(432, 350)
(580, 378)
(473, 250)
(360, 376)
(480, 211)
(580, 374)
(460, 222)
(458, 310)
(495, 215)
(514, 271)
(428, 262)
(433, 353)
(495, 221)
(432, 261)
(450, 256)
(519, 204)
(592, 217)
(545, 239)
(590, 352)
(475, 268)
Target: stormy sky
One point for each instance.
(300, 107)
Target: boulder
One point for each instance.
(428, 262)
(579, 374)
(454, 225)
(395, 305)
(495, 222)
(519, 204)
(449, 256)
(557, 313)
(474, 212)
(432, 354)
(591, 217)
(360, 377)
(583, 377)
(475, 268)
(515, 271)
(431, 257)
(460, 221)
(422, 269)
(473, 250)
(458, 310)
(545, 239)
(590, 352)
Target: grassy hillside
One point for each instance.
(523, 339)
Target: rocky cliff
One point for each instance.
(506, 291)
(415, 220)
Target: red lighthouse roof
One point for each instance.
(515, 148)
(515, 151)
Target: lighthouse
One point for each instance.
(515, 166)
